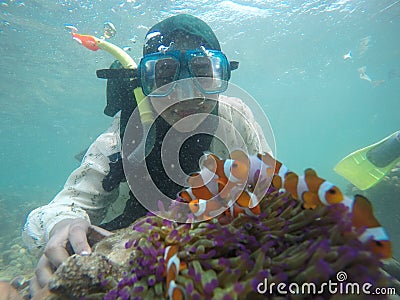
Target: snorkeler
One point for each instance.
(179, 47)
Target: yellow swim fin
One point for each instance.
(367, 166)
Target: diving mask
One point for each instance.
(210, 70)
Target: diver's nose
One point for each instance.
(185, 87)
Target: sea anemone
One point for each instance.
(284, 245)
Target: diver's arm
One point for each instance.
(82, 197)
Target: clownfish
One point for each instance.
(310, 188)
(87, 41)
(318, 191)
(199, 187)
(363, 216)
(246, 204)
(173, 266)
(202, 187)
(230, 176)
(225, 179)
(204, 209)
(315, 191)
(230, 172)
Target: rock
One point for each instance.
(114, 246)
(15, 248)
(8, 255)
(83, 275)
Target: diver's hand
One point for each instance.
(8, 292)
(67, 237)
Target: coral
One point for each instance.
(15, 260)
(80, 276)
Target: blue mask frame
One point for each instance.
(210, 69)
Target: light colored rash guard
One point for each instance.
(83, 195)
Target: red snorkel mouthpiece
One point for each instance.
(87, 41)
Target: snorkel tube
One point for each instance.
(146, 115)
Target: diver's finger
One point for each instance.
(34, 286)
(43, 293)
(43, 272)
(78, 239)
(56, 252)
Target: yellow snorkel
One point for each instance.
(146, 114)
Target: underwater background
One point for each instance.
(291, 56)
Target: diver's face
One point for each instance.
(185, 99)
(179, 105)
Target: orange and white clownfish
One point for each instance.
(245, 204)
(363, 216)
(204, 209)
(229, 173)
(224, 181)
(310, 188)
(173, 266)
(202, 187)
(203, 184)
(320, 192)
(315, 191)
(216, 177)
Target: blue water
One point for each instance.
(291, 61)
